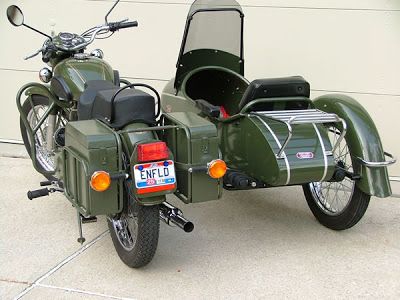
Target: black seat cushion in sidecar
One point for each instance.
(295, 86)
(131, 105)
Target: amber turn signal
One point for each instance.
(217, 168)
(100, 181)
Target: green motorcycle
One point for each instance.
(115, 150)
(97, 139)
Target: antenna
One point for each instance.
(115, 4)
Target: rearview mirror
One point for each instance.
(115, 4)
(15, 15)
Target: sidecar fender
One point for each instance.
(363, 141)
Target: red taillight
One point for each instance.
(152, 152)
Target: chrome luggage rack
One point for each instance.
(306, 116)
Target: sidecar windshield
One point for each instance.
(214, 25)
(212, 37)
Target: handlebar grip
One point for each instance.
(120, 25)
(128, 24)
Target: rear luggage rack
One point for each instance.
(305, 116)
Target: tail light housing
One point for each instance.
(152, 152)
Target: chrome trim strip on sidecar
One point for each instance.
(279, 145)
(306, 116)
(323, 152)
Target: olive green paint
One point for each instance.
(77, 72)
(207, 57)
(130, 141)
(90, 147)
(194, 144)
(363, 141)
(248, 145)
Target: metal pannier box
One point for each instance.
(90, 146)
(194, 144)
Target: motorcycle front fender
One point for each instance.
(364, 143)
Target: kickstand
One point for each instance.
(81, 239)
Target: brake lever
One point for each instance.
(34, 54)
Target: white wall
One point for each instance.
(337, 45)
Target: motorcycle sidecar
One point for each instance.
(270, 133)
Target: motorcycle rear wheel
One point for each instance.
(44, 158)
(135, 233)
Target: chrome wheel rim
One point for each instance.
(126, 229)
(43, 155)
(334, 197)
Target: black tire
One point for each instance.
(337, 205)
(37, 100)
(144, 236)
(348, 218)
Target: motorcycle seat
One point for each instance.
(295, 86)
(131, 105)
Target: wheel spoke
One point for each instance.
(334, 197)
(44, 156)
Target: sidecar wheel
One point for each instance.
(135, 234)
(337, 205)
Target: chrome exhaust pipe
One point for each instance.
(172, 215)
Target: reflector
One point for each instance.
(217, 168)
(100, 181)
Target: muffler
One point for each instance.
(172, 215)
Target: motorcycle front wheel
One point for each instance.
(34, 108)
(135, 233)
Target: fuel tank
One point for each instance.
(76, 72)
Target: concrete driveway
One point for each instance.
(257, 244)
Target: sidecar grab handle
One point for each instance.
(371, 164)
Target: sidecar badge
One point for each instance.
(305, 155)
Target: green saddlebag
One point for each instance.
(194, 144)
(90, 146)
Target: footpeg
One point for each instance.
(46, 183)
(234, 180)
(43, 192)
(38, 193)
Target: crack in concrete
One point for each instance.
(14, 281)
(60, 265)
(71, 290)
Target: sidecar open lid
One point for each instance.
(213, 36)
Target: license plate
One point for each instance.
(155, 176)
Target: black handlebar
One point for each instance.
(114, 26)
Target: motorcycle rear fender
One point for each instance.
(131, 137)
(363, 141)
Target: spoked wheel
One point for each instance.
(337, 205)
(135, 233)
(34, 111)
